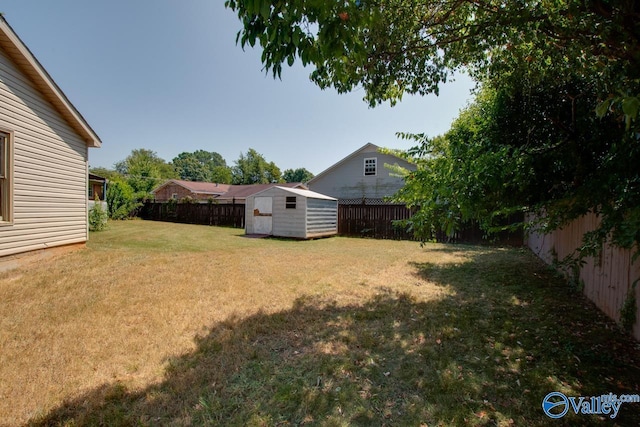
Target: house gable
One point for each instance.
(361, 175)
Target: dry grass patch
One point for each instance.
(142, 291)
(187, 325)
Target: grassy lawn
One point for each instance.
(169, 324)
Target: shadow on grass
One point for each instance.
(508, 333)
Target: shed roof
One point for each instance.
(300, 192)
(22, 56)
(94, 177)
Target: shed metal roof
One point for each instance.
(300, 192)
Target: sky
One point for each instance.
(167, 75)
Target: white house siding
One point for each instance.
(322, 217)
(346, 179)
(50, 169)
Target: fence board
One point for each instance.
(607, 278)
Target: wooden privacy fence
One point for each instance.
(227, 215)
(356, 220)
(373, 221)
(377, 221)
(608, 279)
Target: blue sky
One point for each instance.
(166, 75)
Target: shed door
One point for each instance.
(262, 220)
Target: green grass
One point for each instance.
(338, 332)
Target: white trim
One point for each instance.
(375, 166)
(7, 182)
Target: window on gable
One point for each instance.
(290, 203)
(370, 166)
(5, 177)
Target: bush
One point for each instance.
(97, 218)
(120, 200)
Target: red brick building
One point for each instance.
(176, 189)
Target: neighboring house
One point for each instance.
(97, 187)
(177, 189)
(97, 191)
(291, 212)
(361, 177)
(44, 145)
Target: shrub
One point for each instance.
(120, 200)
(97, 218)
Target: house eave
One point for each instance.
(22, 56)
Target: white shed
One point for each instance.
(291, 212)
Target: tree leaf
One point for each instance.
(630, 106)
(603, 108)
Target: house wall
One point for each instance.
(97, 190)
(322, 217)
(607, 279)
(347, 179)
(49, 169)
(165, 193)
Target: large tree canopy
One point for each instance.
(144, 171)
(390, 47)
(543, 152)
(253, 168)
(201, 165)
(297, 175)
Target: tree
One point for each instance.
(109, 174)
(541, 151)
(252, 168)
(391, 47)
(144, 171)
(202, 166)
(120, 200)
(297, 175)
